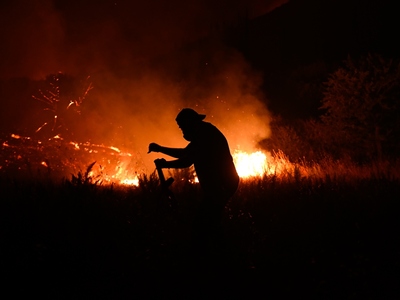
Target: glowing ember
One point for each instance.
(40, 128)
(115, 149)
(249, 165)
(75, 145)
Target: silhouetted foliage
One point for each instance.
(363, 107)
(84, 179)
(301, 140)
(285, 137)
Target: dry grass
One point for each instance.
(329, 227)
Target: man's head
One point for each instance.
(189, 116)
(188, 120)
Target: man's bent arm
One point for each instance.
(173, 152)
(176, 164)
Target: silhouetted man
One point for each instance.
(209, 152)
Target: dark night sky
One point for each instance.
(41, 37)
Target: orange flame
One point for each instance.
(259, 163)
(248, 165)
(117, 166)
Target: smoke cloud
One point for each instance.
(135, 112)
(147, 61)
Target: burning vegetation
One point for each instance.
(52, 153)
(75, 129)
(57, 150)
(55, 157)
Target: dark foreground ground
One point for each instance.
(327, 239)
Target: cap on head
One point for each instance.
(188, 115)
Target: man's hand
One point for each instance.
(153, 147)
(160, 163)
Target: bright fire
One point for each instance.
(109, 164)
(250, 164)
(259, 163)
